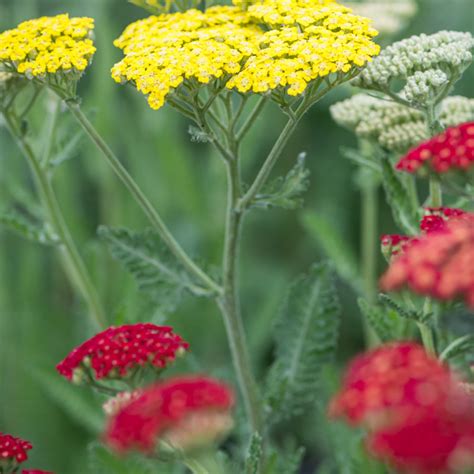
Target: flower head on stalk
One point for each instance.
(50, 50)
(185, 412)
(428, 65)
(439, 264)
(452, 150)
(392, 126)
(118, 352)
(262, 47)
(13, 452)
(401, 393)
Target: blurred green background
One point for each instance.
(41, 320)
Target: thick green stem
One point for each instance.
(140, 198)
(229, 301)
(73, 262)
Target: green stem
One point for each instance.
(435, 126)
(369, 251)
(141, 199)
(73, 262)
(425, 331)
(203, 464)
(229, 301)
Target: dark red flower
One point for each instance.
(116, 351)
(13, 450)
(35, 471)
(439, 264)
(436, 218)
(420, 418)
(184, 411)
(451, 150)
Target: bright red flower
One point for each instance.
(117, 351)
(439, 264)
(451, 150)
(389, 380)
(393, 244)
(13, 450)
(420, 417)
(184, 411)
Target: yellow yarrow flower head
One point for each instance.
(56, 47)
(263, 47)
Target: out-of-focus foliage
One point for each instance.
(40, 320)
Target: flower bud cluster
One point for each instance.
(393, 126)
(428, 64)
(13, 452)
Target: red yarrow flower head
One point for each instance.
(451, 150)
(118, 351)
(420, 417)
(13, 451)
(185, 412)
(393, 244)
(439, 264)
(435, 218)
(381, 384)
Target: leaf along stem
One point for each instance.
(72, 260)
(140, 198)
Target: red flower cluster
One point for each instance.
(439, 264)
(451, 150)
(118, 350)
(436, 218)
(393, 244)
(419, 416)
(13, 449)
(183, 411)
(35, 471)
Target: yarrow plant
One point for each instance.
(220, 66)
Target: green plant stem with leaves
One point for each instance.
(73, 263)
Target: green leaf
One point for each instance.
(103, 461)
(306, 340)
(287, 191)
(335, 248)
(197, 135)
(254, 456)
(411, 314)
(405, 215)
(458, 347)
(80, 406)
(379, 319)
(359, 159)
(68, 150)
(26, 228)
(156, 270)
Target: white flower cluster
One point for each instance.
(393, 126)
(428, 64)
(389, 16)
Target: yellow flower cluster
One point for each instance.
(47, 45)
(256, 46)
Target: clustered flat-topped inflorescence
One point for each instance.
(118, 351)
(419, 416)
(394, 127)
(255, 46)
(13, 450)
(183, 411)
(452, 150)
(428, 64)
(440, 263)
(48, 45)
